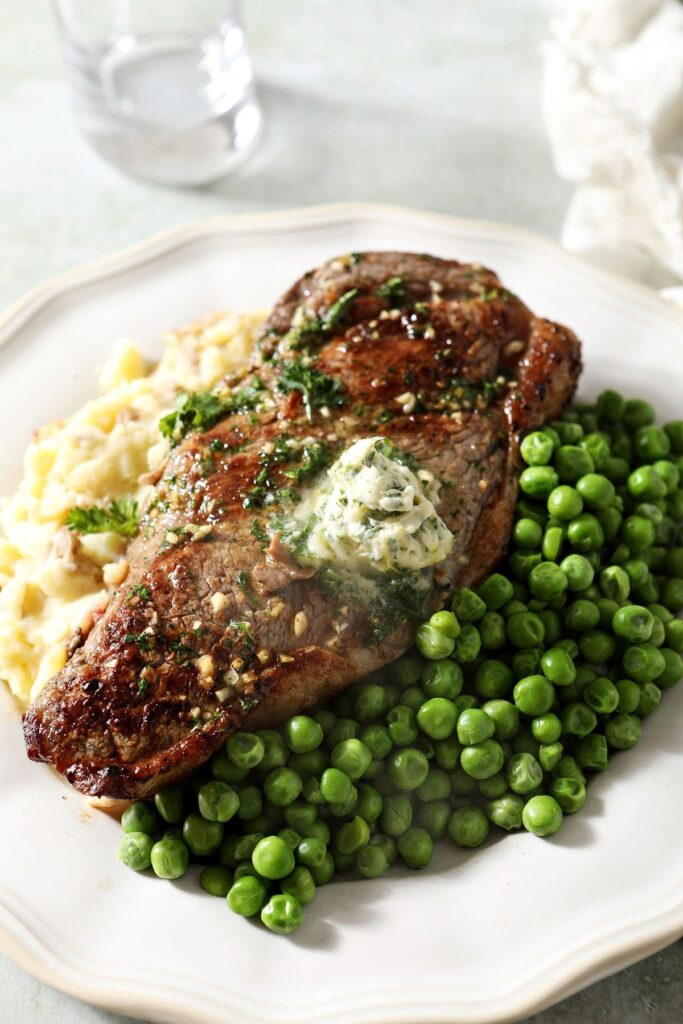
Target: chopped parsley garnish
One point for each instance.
(393, 290)
(138, 593)
(120, 516)
(182, 652)
(314, 457)
(338, 310)
(145, 641)
(201, 410)
(495, 293)
(258, 532)
(142, 686)
(390, 451)
(317, 388)
(242, 581)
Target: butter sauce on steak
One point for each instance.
(222, 623)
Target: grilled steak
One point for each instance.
(223, 623)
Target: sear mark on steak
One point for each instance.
(218, 626)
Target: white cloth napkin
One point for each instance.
(613, 105)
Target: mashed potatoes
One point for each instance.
(52, 580)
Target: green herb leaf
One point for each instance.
(393, 290)
(317, 389)
(138, 593)
(145, 641)
(120, 516)
(201, 410)
(338, 310)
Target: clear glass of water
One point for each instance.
(163, 89)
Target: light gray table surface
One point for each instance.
(433, 104)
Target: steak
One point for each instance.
(221, 624)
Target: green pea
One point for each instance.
(650, 696)
(558, 667)
(578, 571)
(312, 763)
(291, 837)
(506, 811)
(674, 430)
(371, 861)
(629, 695)
(581, 615)
(646, 484)
(673, 671)
(526, 662)
(610, 520)
(433, 644)
(273, 857)
(437, 718)
(525, 743)
(245, 749)
(572, 462)
(416, 848)
(433, 817)
(216, 880)
(325, 872)
(495, 591)
(140, 817)
(633, 623)
(546, 581)
(638, 533)
(492, 631)
(311, 852)
(402, 725)
(300, 815)
(412, 698)
(169, 804)
(282, 914)
(569, 793)
(303, 733)
(534, 695)
(537, 449)
(615, 583)
(601, 695)
(408, 768)
(170, 858)
(442, 678)
(553, 435)
(474, 725)
(595, 444)
(538, 481)
(651, 443)
(468, 827)
(527, 534)
(352, 836)
(672, 594)
(467, 606)
(591, 752)
(552, 543)
(388, 844)
(135, 850)
(524, 773)
(467, 646)
(351, 757)
(565, 502)
(282, 786)
(335, 786)
(447, 753)
(202, 837)
(494, 786)
(585, 534)
(493, 678)
(610, 406)
(578, 719)
(250, 803)
(521, 563)
(370, 803)
(674, 562)
(622, 731)
(397, 814)
(549, 755)
(464, 785)
(546, 728)
(674, 635)
(483, 760)
(405, 670)
(596, 646)
(542, 815)
(643, 662)
(526, 629)
(378, 740)
(638, 413)
(637, 572)
(275, 751)
(505, 718)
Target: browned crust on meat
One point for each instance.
(454, 328)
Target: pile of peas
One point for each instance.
(508, 704)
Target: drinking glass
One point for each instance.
(163, 89)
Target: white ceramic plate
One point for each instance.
(486, 936)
